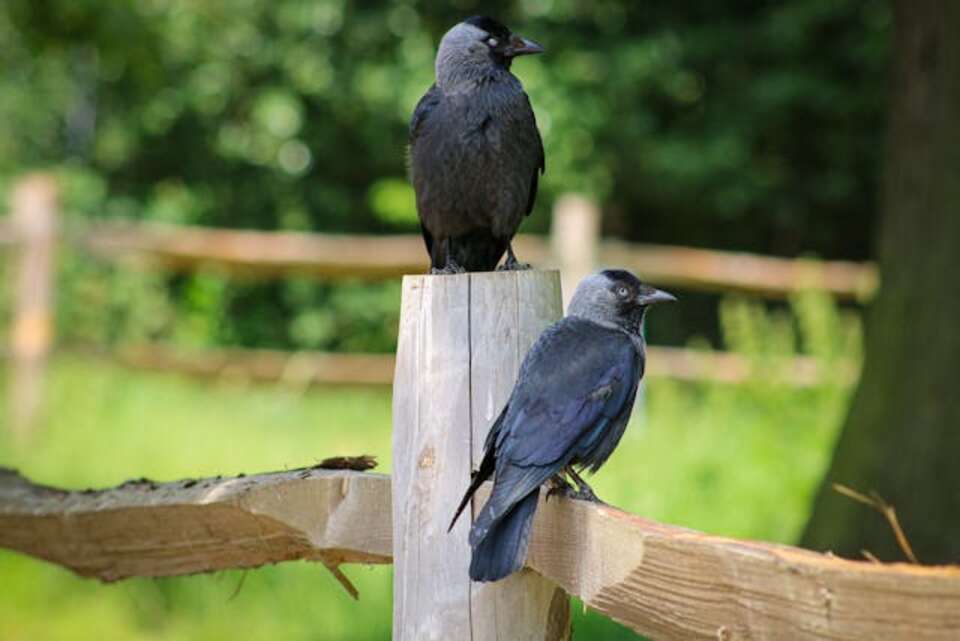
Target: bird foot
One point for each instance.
(585, 493)
(450, 268)
(559, 487)
(564, 489)
(514, 266)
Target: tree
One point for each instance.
(902, 435)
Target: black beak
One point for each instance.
(654, 297)
(520, 46)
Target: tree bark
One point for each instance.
(902, 435)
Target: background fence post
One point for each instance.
(461, 342)
(33, 220)
(574, 239)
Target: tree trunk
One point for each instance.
(902, 435)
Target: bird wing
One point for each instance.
(422, 111)
(569, 394)
(541, 165)
(578, 379)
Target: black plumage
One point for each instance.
(475, 151)
(567, 412)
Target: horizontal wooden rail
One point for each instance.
(263, 365)
(272, 254)
(260, 252)
(307, 368)
(713, 270)
(660, 580)
(684, 364)
(143, 528)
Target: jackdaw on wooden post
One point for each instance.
(475, 151)
(567, 412)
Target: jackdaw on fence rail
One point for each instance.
(566, 413)
(475, 151)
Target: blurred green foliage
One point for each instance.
(749, 123)
(107, 305)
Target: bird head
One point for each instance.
(477, 47)
(615, 297)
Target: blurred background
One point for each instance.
(746, 126)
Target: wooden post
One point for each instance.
(574, 240)
(461, 342)
(33, 219)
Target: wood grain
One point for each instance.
(667, 582)
(145, 528)
(461, 341)
(674, 584)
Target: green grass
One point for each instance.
(740, 461)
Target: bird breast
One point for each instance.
(476, 160)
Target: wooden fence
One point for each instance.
(574, 247)
(461, 341)
(660, 580)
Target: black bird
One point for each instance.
(475, 151)
(567, 412)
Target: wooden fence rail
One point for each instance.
(325, 368)
(660, 580)
(574, 247)
(378, 257)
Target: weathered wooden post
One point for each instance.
(574, 239)
(33, 219)
(462, 339)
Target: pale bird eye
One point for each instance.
(493, 42)
(622, 292)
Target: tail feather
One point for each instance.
(485, 471)
(503, 548)
(487, 466)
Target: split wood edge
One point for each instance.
(660, 580)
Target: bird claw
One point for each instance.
(559, 487)
(586, 494)
(514, 266)
(450, 268)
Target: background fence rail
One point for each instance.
(335, 256)
(307, 367)
(574, 247)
